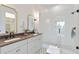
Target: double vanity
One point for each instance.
(21, 44)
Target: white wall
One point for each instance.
(48, 27)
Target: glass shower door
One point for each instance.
(67, 32)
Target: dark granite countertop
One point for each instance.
(23, 37)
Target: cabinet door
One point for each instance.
(22, 50)
(31, 47)
(18, 50)
(12, 48)
(34, 44)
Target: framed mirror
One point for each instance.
(30, 23)
(9, 15)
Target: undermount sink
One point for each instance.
(14, 39)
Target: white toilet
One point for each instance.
(50, 49)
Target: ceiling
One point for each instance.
(39, 7)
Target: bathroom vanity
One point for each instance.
(20, 44)
(30, 44)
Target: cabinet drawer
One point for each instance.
(13, 46)
(22, 50)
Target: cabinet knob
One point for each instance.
(17, 50)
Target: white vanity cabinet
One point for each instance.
(28, 46)
(34, 44)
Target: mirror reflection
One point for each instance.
(30, 23)
(9, 17)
